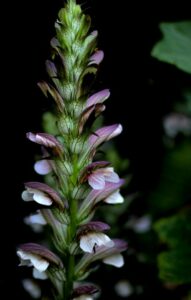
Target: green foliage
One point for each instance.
(175, 46)
(175, 266)
(175, 231)
(174, 185)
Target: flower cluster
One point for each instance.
(80, 183)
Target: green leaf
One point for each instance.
(175, 266)
(175, 230)
(175, 46)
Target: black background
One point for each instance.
(143, 90)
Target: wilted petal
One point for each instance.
(91, 240)
(32, 288)
(49, 89)
(39, 275)
(114, 198)
(43, 167)
(96, 58)
(115, 260)
(97, 98)
(104, 134)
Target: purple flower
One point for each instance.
(46, 140)
(42, 194)
(99, 177)
(91, 236)
(110, 194)
(98, 98)
(96, 58)
(109, 255)
(104, 134)
(39, 257)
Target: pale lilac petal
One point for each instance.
(99, 97)
(36, 218)
(39, 275)
(110, 175)
(114, 198)
(32, 288)
(43, 167)
(96, 181)
(96, 58)
(115, 260)
(104, 134)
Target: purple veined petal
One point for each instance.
(45, 139)
(96, 58)
(96, 181)
(43, 167)
(87, 289)
(90, 241)
(115, 260)
(90, 168)
(97, 98)
(41, 252)
(104, 134)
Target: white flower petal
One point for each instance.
(96, 181)
(26, 196)
(114, 198)
(41, 198)
(32, 288)
(40, 264)
(39, 275)
(43, 167)
(90, 240)
(110, 175)
(115, 260)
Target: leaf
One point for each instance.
(175, 46)
(175, 230)
(175, 266)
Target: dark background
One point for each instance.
(143, 90)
